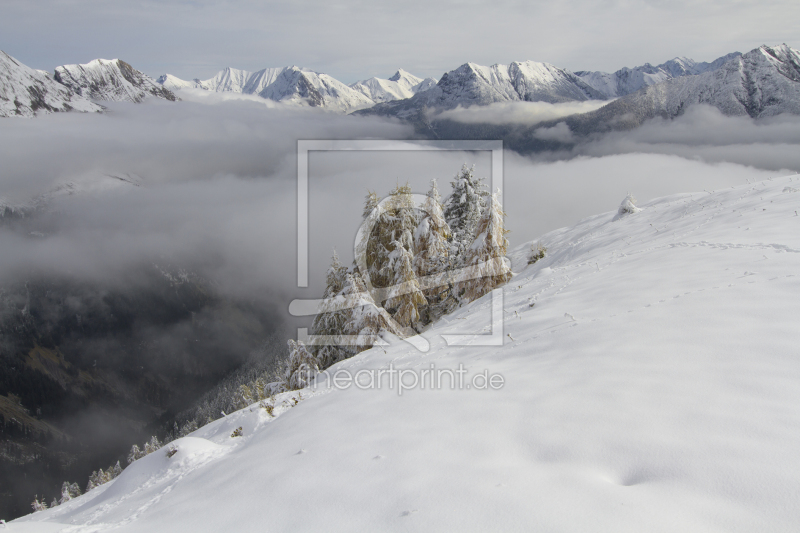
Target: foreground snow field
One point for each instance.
(654, 386)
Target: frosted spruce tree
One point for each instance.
(463, 209)
(405, 299)
(432, 252)
(366, 320)
(484, 259)
(329, 321)
(296, 370)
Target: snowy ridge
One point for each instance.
(650, 384)
(111, 80)
(288, 84)
(761, 83)
(629, 80)
(473, 84)
(400, 86)
(27, 92)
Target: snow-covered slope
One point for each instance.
(288, 84)
(111, 80)
(26, 92)
(472, 84)
(651, 383)
(401, 85)
(629, 80)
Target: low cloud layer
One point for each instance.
(518, 113)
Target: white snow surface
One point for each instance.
(111, 80)
(27, 92)
(287, 84)
(402, 85)
(652, 383)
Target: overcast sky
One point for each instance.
(355, 39)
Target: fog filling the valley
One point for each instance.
(211, 188)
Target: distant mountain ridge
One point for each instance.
(473, 84)
(111, 80)
(761, 83)
(629, 80)
(400, 86)
(286, 84)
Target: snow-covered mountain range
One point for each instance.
(629, 80)
(761, 83)
(26, 92)
(472, 84)
(649, 383)
(287, 84)
(400, 86)
(111, 80)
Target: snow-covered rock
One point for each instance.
(288, 84)
(27, 92)
(629, 80)
(472, 84)
(111, 80)
(650, 382)
(401, 85)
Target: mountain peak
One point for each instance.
(111, 80)
(28, 92)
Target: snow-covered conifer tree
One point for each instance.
(464, 207)
(366, 319)
(65, 495)
(135, 454)
(405, 298)
(298, 368)
(116, 470)
(431, 249)
(484, 259)
(331, 322)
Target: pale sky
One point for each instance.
(356, 39)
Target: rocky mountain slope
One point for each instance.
(27, 92)
(111, 80)
(629, 80)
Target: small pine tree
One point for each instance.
(116, 470)
(135, 454)
(463, 209)
(152, 445)
(65, 494)
(54, 503)
(38, 505)
(484, 259)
